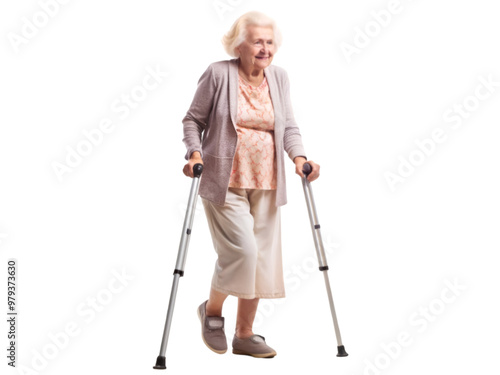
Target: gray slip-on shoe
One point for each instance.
(212, 330)
(254, 346)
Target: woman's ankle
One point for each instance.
(211, 311)
(243, 333)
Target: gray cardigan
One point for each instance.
(213, 114)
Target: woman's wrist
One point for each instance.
(299, 158)
(195, 156)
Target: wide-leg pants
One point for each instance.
(246, 234)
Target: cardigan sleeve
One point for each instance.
(292, 137)
(197, 116)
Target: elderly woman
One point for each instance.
(238, 126)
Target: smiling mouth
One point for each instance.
(262, 57)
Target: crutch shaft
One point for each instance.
(332, 308)
(188, 224)
(170, 312)
(320, 252)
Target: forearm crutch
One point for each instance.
(181, 261)
(320, 252)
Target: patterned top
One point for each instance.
(254, 164)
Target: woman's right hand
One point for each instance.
(195, 159)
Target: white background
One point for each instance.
(121, 209)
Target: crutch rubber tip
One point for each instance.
(342, 352)
(160, 363)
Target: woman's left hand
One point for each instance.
(299, 164)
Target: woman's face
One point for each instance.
(258, 48)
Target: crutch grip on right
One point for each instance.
(306, 169)
(197, 169)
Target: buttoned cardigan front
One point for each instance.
(210, 127)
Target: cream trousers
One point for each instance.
(246, 234)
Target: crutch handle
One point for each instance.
(197, 169)
(306, 169)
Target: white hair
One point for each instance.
(238, 32)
